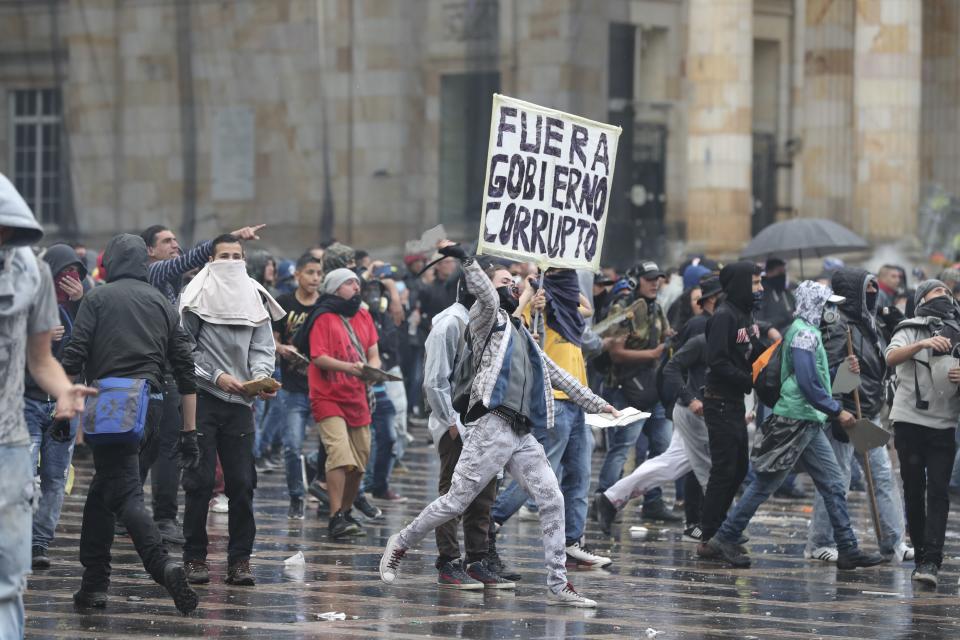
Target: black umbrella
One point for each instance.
(799, 237)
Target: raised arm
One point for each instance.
(166, 270)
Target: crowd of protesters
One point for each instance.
(366, 353)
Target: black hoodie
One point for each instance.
(127, 328)
(733, 338)
(58, 257)
(868, 342)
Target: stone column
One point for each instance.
(827, 101)
(719, 145)
(887, 89)
(939, 140)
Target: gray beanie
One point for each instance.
(337, 277)
(926, 287)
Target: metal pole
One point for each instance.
(867, 472)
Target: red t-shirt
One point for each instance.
(333, 393)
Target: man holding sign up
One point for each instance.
(545, 200)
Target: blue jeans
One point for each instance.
(54, 460)
(376, 477)
(568, 447)
(269, 423)
(16, 492)
(295, 409)
(889, 503)
(820, 462)
(620, 440)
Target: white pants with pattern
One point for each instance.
(490, 446)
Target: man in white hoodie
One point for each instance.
(228, 316)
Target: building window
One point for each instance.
(466, 100)
(37, 170)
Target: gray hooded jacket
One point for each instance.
(28, 306)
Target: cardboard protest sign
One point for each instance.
(547, 187)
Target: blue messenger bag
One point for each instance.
(118, 413)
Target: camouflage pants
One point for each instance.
(490, 446)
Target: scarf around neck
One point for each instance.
(223, 293)
(563, 310)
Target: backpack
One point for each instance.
(464, 370)
(767, 374)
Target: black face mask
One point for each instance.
(872, 301)
(507, 301)
(942, 307)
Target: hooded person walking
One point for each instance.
(795, 433)
(52, 440)
(127, 331)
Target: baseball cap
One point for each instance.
(649, 270)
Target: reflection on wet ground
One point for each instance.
(655, 588)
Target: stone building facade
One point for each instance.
(367, 120)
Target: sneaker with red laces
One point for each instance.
(568, 597)
(390, 496)
(390, 561)
(452, 576)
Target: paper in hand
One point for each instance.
(606, 420)
(374, 375)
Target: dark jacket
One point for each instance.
(868, 342)
(58, 257)
(777, 306)
(733, 338)
(127, 328)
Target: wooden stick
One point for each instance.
(867, 471)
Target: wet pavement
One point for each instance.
(655, 588)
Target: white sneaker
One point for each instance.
(390, 560)
(583, 557)
(220, 504)
(526, 514)
(569, 597)
(824, 554)
(903, 553)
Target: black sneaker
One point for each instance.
(495, 564)
(90, 599)
(197, 571)
(858, 558)
(480, 572)
(297, 510)
(171, 532)
(605, 511)
(693, 533)
(731, 553)
(239, 574)
(319, 492)
(452, 576)
(340, 527)
(175, 580)
(657, 512)
(369, 511)
(349, 517)
(926, 573)
(40, 559)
